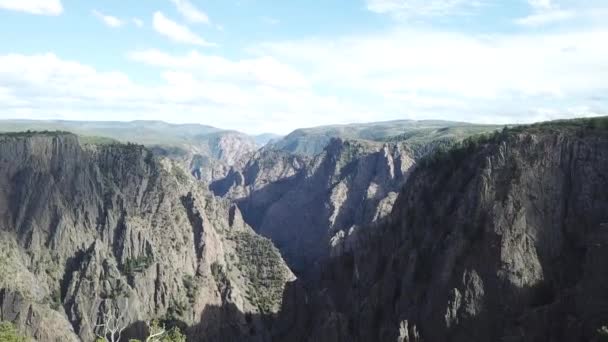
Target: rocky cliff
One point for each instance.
(92, 229)
(312, 188)
(312, 141)
(211, 157)
(502, 239)
(302, 202)
(208, 152)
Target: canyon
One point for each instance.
(417, 231)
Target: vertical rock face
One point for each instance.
(501, 241)
(302, 203)
(211, 157)
(87, 229)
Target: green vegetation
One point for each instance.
(259, 262)
(176, 311)
(221, 279)
(596, 124)
(30, 133)
(174, 335)
(97, 140)
(181, 176)
(453, 152)
(14, 275)
(55, 300)
(8, 333)
(149, 133)
(137, 265)
(420, 136)
(159, 334)
(191, 283)
(117, 290)
(416, 133)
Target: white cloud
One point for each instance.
(541, 4)
(415, 8)
(191, 12)
(284, 85)
(544, 18)
(177, 32)
(138, 22)
(471, 66)
(40, 7)
(36, 85)
(455, 76)
(108, 20)
(547, 12)
(264, 70)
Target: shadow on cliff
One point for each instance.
(228, 324)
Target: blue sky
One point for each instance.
(270, 66)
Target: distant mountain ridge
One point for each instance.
(145, 132)
(206, 151)
(312, 141)
(433, 234)
(199, 138)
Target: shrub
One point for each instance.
(174, 335)
(455, 152)
(176, 310)
(180, 174)
(259, 261)
(137, 265)
(192, 286)
(56, 299)
(8, 333)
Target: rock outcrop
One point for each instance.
(212, 156)
(312, 141)
(208, 152)
(303, 203)
(88, 229)
(503, 239)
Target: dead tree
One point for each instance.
(156, 332)
(113, 323)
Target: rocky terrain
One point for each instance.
(208, 152)
(302, 202)
(88, 230)
(307, 201)
(497, 237)
(312, 141)
(502, 239)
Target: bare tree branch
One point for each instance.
(155, 335)
(113, 322)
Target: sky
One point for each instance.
(274, 66)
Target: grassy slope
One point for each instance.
(141, 132)
(416, 133)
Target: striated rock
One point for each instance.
(503, 238)
(499, 240)
(206, 151)
(109, 228)
(212, 156)
(301, 203)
